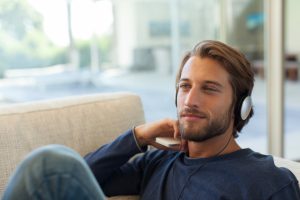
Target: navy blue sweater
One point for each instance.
(170, 175)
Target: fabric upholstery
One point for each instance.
(83, 123)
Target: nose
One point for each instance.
(192, 98)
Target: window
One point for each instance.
(57, 48)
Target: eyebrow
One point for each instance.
(217, 84)
(184, 79)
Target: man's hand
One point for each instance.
(146, 134)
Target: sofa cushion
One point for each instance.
(83, 123)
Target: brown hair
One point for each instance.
(239, 70)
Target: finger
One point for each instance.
(168, 128)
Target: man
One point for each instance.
(213, 99)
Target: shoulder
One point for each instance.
(266, 164)
(258, 174)
(263, 165)
(265, 174)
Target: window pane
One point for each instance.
(246, 32)
(292, 82)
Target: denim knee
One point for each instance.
(53, 164)
(51, 158)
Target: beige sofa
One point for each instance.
(83, 123)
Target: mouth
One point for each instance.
(192, 117)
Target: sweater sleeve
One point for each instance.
(110, 165)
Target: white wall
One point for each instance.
(292, 33)
(132, 20)
(125, 32)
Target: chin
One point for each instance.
(192, 128)
(193, 134)
(199, 138)
(199, 134)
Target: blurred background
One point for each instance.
(57, 48)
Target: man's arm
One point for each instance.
(108, 160)
(110, 163)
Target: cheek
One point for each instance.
(221, 109)
(180, 100)
(216, 107)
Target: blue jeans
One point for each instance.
(53, 172)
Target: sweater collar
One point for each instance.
(234, 155)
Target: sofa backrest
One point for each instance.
(83, 123)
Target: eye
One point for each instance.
(184, 86)
(210, 89)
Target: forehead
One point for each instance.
(204, 69)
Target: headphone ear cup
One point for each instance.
(246, 107)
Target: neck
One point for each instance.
(219, 145)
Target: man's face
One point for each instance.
(204, 100)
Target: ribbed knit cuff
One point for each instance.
(141, 148)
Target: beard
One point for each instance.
(194, 132)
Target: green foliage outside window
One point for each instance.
(22, 39)
(25, 45)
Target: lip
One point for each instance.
(192, 117)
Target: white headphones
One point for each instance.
(246, 107)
